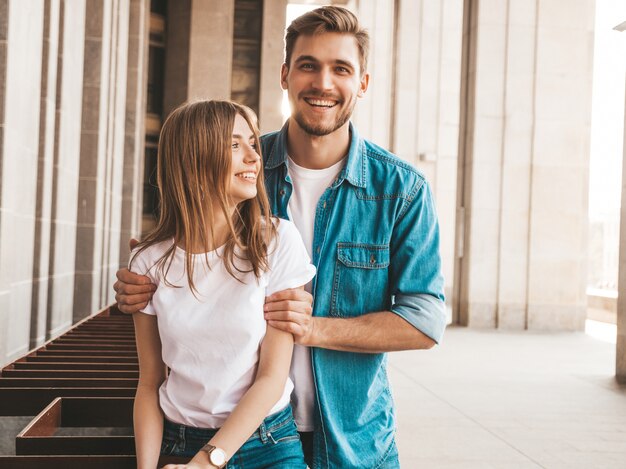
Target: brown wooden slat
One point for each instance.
(63, 373)
(74, 366)
(93, 346)
(68, 383)
(75, 445)
(81, 359)
(30, 401)
(38, 438)
(80, 462)
(88, 353)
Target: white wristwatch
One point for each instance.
(217, 456)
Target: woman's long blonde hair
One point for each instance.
(193, 169)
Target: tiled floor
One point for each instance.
(492, 399)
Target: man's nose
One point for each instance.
(323, 79)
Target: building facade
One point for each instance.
(490, 99)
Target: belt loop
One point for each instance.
(263, 432)
(181, 443)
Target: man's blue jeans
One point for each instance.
(275, 444)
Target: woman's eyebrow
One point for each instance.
(241, 137)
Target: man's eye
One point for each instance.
(342, 70)
(306, 67)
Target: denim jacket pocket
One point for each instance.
(360, 280)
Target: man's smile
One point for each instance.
(317, 102)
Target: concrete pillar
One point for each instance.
(620, 355)
(425, 120)
(66, 167)
(373, 113)
(136, 87)
(199, 49)
(21, 41)
(525, 150)
(47, 121)
(272, 55)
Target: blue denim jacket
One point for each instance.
(376, 247)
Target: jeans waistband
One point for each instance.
(269, 424)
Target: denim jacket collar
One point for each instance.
(355, 170)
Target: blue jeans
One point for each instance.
(275, 444)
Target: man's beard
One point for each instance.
(320, 130)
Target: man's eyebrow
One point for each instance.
(310, 58)
(345, 63)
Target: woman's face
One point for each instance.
(246, 162)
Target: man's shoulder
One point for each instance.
(268, 141)
(385, 169)
(269, 138)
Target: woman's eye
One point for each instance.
(235, 146)
(253, 145)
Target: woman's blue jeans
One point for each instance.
(275, 444)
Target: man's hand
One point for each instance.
(132, 292)
(291, 311)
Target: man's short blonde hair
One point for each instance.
(328, 19)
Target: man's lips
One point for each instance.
(321, 102)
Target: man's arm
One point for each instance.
(417, 317)
(383, 331)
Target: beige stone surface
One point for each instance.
(495, 399)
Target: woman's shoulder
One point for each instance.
(146, 256)
(285, 229)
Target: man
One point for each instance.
(369, 222)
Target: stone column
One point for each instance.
(524, 152)
(425, 119)
(373, 113)
(21, 41)
(620, 356)
(66, 167)
(136, 87)
(47, 120)
(199, 48)
(272, 57)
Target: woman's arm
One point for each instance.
(268, 387)
(147, 415)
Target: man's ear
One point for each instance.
(284, 70)
(365, 81)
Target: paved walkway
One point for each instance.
(492, 399)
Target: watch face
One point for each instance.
(217, 457)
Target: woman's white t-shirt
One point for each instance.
(211, 341)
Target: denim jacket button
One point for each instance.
(282, 192)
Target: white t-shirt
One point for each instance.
(308, 187)
(211, 343)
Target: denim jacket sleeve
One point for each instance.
(415, 264)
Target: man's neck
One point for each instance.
(313, 152)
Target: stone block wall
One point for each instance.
(412, 105)
(525, 151)
(72, 99)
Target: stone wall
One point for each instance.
(71, 149)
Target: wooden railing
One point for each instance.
(80, 388)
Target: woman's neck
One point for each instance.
(219, 237)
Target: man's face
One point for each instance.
(323, 81)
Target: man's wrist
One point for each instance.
(316, 335)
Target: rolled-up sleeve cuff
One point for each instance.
(426, 313)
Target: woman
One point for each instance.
(215, 254)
